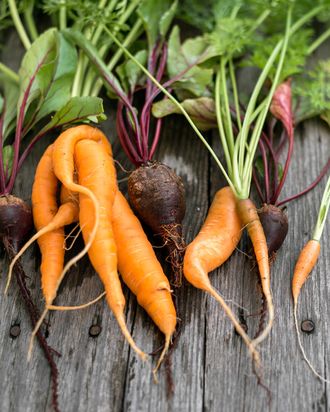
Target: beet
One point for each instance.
(15, 220)
(275, 224)
(157, 196)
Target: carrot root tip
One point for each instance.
(161, 358)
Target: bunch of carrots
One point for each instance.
(81, 162)
(79, 165)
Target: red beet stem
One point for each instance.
(34, 316)
(266, 170)
(310, 187)
(286, 168)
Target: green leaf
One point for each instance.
(7, 158)
(197, 80)
(201, 110)
(60, 89)
(37, 72)
(311, 92)
(295, 58)
(279, 171)
(10, 96)
(156, 17)
(129, 73)
(326, 117)
(259, 165)
(200, 14)
(230, 36)
(77, 109)
(80, 40)
(167, 18)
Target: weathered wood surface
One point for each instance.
(211, 367)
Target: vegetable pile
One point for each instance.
(130, 56)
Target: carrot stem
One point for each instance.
(323, 212)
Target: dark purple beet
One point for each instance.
(157, 195)
(275, 224)
(15, 220)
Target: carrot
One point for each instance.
(63, 163)
(213, 245)
(250, 219)
(49, 222)
(141, 271)
(305, 264)
(96, 172)
(306, 261)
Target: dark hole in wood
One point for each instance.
(15, 331)
(307, 326)
(94, 331)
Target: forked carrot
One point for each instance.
(141, 271)
(49, 221)
(96, 173)
(213, 245)
(305, 264)
(64, 169)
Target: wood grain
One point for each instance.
(211, 367)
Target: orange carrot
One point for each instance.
(305, 264)
(213, 245)
(141, 271)
(250, 219)
(64, 168)
(49, 222)
(96, 173)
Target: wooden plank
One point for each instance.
(211, 367)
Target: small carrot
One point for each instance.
(96, 173)
(213, 245)
(305, 264)
(141, 271)
(248, 214)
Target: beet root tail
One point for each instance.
(172, 237)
